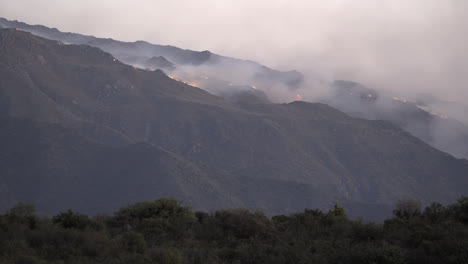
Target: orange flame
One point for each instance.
(441, 116)
(298, 97)
(398, 99)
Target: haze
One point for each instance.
(408, 47)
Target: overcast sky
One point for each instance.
(405, 45)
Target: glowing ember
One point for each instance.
(253, 87)
(174, 78)
(398, 99)
(298, 97)
(441, 116)
(432, 113)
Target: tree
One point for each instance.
(158, 220)
(23, 213)
(337, 210)
(70, 219)
(133, 242)
(23, 210)
(460, 210)
(166, 256)
(407, 209)
(435, 212)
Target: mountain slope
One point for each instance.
(442, 132)
(233, 79)
(64, 169)
(276, 157)
(137, 54)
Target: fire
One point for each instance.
(174, 78)
(114, 59)
(298, 97)
(441, 116)
(398, 99)
(179, 80)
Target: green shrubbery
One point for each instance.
(166, 232)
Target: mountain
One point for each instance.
(160, 62)
(235, 79)
(438, 130)
(133, 134)
(140, 53)
(57, 168)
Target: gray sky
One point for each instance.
(408, 46)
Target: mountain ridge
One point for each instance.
(439, 130)
(309, 153)
(139, 51)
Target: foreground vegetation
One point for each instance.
(164, 231)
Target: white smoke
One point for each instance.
(400, 48)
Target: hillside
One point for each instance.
(435, 122)
(140, 53)
(64, 169)
(435, 128)
(145, 127)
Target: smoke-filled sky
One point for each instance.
(407, 46)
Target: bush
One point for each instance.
(407, 209)
(163, 231)
(70, 219)
(166, 256)
(133, 242)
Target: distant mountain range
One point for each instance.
(140, 53)
(81, 129)
(435, 128)
(233, 79)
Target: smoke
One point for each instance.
(400, 48)
(408, 47)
